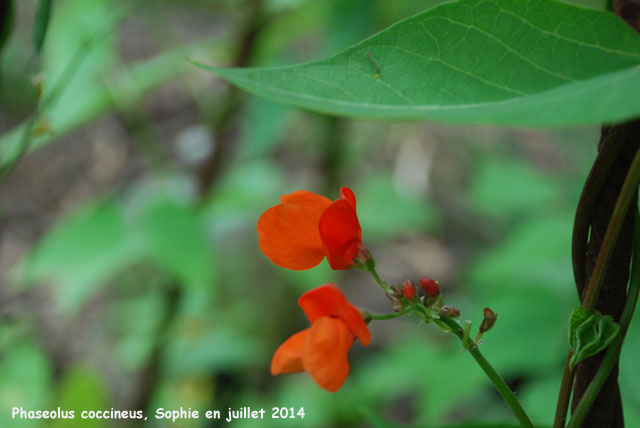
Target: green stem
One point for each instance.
(387, 316)
(450, 325)
(381, 283)
(613, 353)
(502, 387)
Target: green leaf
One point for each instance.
(82, 252)
(26, 376)
(178, 243)
(511, 62)
(535, 254)
(125, 86)
(589, 333)
(81, 389)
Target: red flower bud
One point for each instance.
(429, 286)
(409, 290)
(489, 320)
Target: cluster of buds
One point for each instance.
(427, 294)
(430, 289)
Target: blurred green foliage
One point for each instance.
(140, 291)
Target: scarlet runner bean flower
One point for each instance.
(304, 228)
(321, 350)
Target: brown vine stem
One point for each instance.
(588, 198)
(565, 394)
(613, 353)
(629, 189)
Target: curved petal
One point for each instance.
(324, 301)
(288, 356)
(328, 301)
(324, 352)
(340, 233)
(288, 233)
(346, 193)
(354, 321)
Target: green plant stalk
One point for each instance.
(380, 317)
(629, 189)
(613, 353)
(449, 324)
(381, 283)
(507, 394)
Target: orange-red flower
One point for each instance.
(321, 350)
(305, 227)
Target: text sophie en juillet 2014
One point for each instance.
(160, 413)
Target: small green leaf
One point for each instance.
(589, 333)
(536, 63)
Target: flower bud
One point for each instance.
(409, 290)
(429, 286)
(449, 311)
(489, 320)
(363, 259)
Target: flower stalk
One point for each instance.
(448, 324)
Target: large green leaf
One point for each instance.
(511, 62)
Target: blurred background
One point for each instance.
(130, 276)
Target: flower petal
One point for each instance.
(288, 233)
(306, 198)
(324, 352)
(288, 356)
(346, 193)
(328, 301)
(340, 233)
